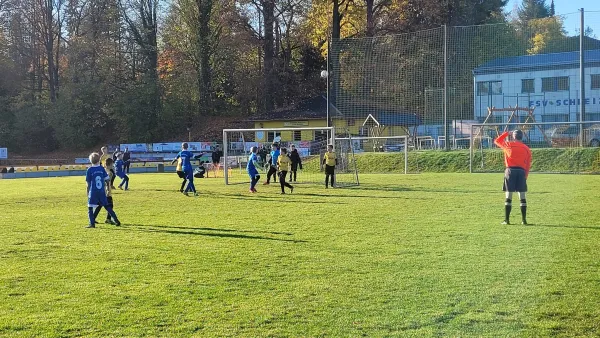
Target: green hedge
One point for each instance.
(574, 160)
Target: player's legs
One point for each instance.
(284, 183)
(97, 212)
(113, 176)
(253, 181)
(183, 184)
(112, 214)
(126, 180)
(190, 176)
(523, 204)
(91, 217)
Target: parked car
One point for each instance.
(568, 135)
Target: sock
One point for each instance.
(91, 216)
(507, 209)
(524, 209)
(96, 212)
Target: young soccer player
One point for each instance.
(296, 162)
(110, 204)
(96, 178)
(216, 159)
(109, 168)
(330, 161)
(180, 172)
(283, 165)
(517, 158)
(186, 165)
(120, 168)
(273, 167)
(252, 168)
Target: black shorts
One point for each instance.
(181, 174)
(514, 180)
(330, 169)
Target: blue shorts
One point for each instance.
(121, 175)
(253, 174)
(96, 199)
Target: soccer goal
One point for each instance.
(310, 142)
(557, 147)
(379, 154)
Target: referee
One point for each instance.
(517, 158)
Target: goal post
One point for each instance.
(557, 146)
(310, 142)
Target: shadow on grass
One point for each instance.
(211, 229)
(564, 226)
(201, 232)
(362, 196)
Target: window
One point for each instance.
(297, 135)
(555, 118)
(592, 116)
(555, 84)
(272, 135)
(596, 81)
(527, 86)
(489, 88)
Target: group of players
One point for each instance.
(100, 179)
(517, 157)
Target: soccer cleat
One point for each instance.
(120, 187)
(109, 221)
(117, 223)
(186, 193)
(91, 226)
(196, 194)
(181, 191)
(283, 192)
(505, 223)
(524, 222)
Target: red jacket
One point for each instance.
(516, 154)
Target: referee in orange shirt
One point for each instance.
(517, 158)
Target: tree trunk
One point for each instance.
(370, 18)
(204, 52)
(269, 20)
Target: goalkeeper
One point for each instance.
(517, 158)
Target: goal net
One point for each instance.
(310, 143)
(379, 154)
(557, 147)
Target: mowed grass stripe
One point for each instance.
(399, 255)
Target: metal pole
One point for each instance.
(226, 164)
(327, 78)
(471, 151)
(581, 80)
(405, 155)
(446, 136)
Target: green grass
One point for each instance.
(416, 255)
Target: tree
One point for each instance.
(532, 9)
(552, 11)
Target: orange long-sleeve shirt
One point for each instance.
(516, 154)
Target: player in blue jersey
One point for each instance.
(120, 169)
(252, 168)
(96, 177)
(273, 167)
(186, 165)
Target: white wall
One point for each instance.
(562, 102)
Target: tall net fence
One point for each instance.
(436, 84)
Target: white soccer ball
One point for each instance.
(324, 74)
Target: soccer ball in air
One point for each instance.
(324, 74)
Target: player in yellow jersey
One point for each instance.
(284, 164)
(330, 160)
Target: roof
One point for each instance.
(538, 62)
(314, 108)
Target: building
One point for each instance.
(550, 83)
(313, 113)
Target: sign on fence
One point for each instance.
(136, 147)
(3, 153)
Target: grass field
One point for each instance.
(415, 255)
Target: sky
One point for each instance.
(571, 7)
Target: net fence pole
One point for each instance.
(581, 78)
(405, 154)
(471, 144)
(225, 153)
(446, 143)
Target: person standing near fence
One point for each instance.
(296, 163)
(517, 158)
(126, 159)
